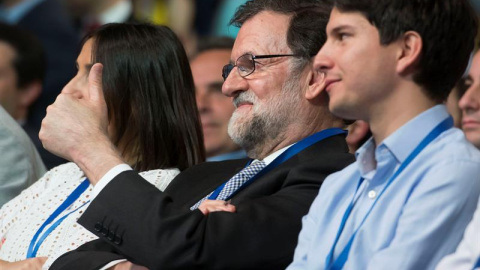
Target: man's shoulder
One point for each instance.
(326, 156)
(225, 166)
(452, 147)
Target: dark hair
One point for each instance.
(29, 61)
(214, 43)
(149, 91)
(306, 33)
(447, 27)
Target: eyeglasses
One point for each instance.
(246, 64)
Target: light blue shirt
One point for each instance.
(421, 216)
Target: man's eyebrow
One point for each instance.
(340, 28)
(247, 52)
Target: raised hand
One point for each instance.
(28, 264)
(76, 127)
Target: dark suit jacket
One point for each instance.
(159, 231)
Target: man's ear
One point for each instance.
(29, 93)
(411, 45)
(316, 85)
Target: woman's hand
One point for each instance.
(28, 264)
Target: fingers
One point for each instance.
(42, 260)
(28, 264)
(209, 206)
(95, 88)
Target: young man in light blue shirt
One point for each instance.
(407, 200)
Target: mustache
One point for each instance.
(244, 97)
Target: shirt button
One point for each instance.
(372, 194)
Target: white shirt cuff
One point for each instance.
(112, 263)
(108, 177)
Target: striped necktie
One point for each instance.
(235, 182)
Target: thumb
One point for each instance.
(95, 88)
(42, 260)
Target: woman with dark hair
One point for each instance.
(153, 121)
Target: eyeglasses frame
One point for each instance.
(264, 56)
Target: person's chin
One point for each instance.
(340, 110)
(473, 136)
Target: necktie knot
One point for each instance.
(235, 182)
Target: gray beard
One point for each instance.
(268, 124)
(254, 134)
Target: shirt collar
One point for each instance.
(403, 141)
(268, 159)
(417, 129)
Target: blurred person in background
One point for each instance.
(215, 108)
(22, 70)
(358, 133)
(20, 163)
(88, 15)
(467, 254)
(48, 21)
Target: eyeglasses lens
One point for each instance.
(245, 65)
(226, 71)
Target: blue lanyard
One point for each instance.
(477, 265)
(34, 244)
(290, 152)
(343, 257)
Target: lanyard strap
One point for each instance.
(343, 257)
(290, 152)
(34, 244)
(477, 264)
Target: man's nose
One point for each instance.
(322, 63)
(234, 84)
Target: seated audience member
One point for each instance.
(467, 255)
(20, 164)
(22, 65)
(215, 108)
(88, 15)
(281, 120)
(152, 121)
(22, 68)
(406, 201)
(46, 20)
(452, 106)
(470, 102)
